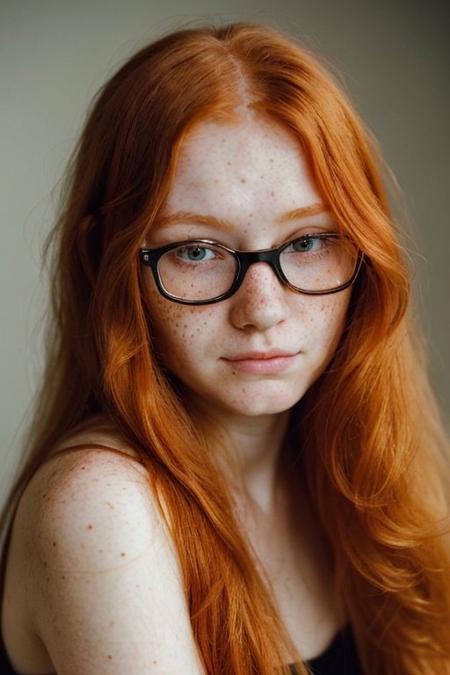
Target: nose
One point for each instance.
(261, 301)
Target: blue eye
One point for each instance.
(304, 245)
(194, 253)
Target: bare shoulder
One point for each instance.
(106, 588)
(88, 496)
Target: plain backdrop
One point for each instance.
(55, 54)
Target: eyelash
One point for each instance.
(323, 242)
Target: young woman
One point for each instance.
(236, 463)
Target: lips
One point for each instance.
(271, 354)
(272, 362)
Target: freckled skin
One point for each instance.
(249, 173)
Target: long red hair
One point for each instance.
(367, 436)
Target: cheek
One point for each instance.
(179, 330)
(327, 321)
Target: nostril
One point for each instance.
(260, 301)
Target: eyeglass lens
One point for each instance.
(201, 271)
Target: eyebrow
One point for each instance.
(204, 219)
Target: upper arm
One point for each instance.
(106, 587)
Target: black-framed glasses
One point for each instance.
(203, 271)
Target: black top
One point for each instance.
(5, 666)
(340, 657)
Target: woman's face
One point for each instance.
(250, 175)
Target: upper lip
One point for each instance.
(272, 353)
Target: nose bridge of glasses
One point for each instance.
(249, 258)
(266, 255)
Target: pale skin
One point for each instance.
(103, 592)
(249, 174)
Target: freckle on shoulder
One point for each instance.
(89, 526)
(70, 477)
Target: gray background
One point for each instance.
(54, 55)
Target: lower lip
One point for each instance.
(263, 366)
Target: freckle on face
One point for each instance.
(234, 183)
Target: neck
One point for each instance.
(249, 450)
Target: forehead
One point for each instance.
(235, 168)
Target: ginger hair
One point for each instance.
(367, 436)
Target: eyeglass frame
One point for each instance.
(150, 257)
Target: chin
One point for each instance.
(254, 406)
(251, 399)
